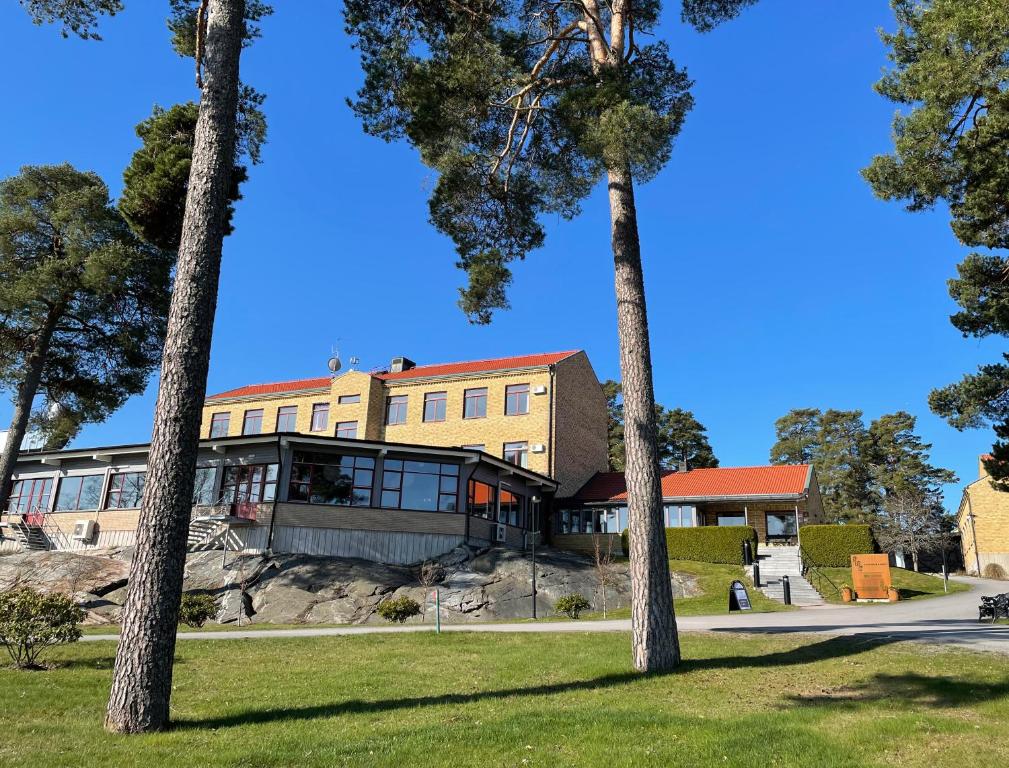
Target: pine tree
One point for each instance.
(83, 304)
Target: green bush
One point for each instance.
(197, 609)
(833, 545)
(707, 544)
(572, 605)
(398, 609)
(31, 622)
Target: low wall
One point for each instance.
(394, 547)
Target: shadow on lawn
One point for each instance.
(826, 649)
(909, 688)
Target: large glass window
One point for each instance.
(395, 409)
(435, 406)
(287, 418)
(678, 516)
(517, 453)
(331, 478)
(80, 492)
(421, 485)
(516, 399)
(253, 423)
(474, 403)
(513, 509)
(203, 488)
(482, 499)
(249, 483)
(781, 524)
(731, 518)
(125, 490)
(220, 423)
(320, 417)
(346, 429)
(30, 495)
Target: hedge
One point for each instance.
(833, 545)
(707, 544)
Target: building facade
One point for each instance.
(983, 522)
(381, 501)
(544, 412)
(775, 500)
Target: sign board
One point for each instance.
(870, 576)
(739, 600)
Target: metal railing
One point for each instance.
(816, 576)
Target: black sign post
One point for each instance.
(739, 600)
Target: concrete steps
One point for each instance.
(777, 562)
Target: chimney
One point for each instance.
(400, 364)
(683, 466)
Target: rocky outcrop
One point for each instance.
(474, 585)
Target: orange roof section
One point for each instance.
(417, 372)
(729, 482)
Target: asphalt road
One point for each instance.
(948, 620)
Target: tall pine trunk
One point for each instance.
(27, 389)
(654, 642)
(142, 681)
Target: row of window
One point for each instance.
(435, 409)
(287, 420)
(474, 404)
(614, 519)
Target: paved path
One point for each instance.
(951, 619)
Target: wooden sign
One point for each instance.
(739, 600)
(870, 576)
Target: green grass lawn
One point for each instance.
(518, 700)
(910, 585)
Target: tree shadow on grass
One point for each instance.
(826, 649)
(910, 689)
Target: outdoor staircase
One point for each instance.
(29, 537)
(208, 534)
(777, 561)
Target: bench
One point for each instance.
(994, 607)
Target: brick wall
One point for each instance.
(581, 421)
(991, 524)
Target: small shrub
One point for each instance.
(398, 609)
(572, 605)
(31, 622)
(994, 571)
(833, 545)
(197, 609)
(707, 544)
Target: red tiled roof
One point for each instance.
(479, 366)
(783, 480)
(418, 372)
(276, 388)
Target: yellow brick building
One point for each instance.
(983, 520)
(546, 412)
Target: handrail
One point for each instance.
(809, 567)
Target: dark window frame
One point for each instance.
(348, 399)
(478, 394)
(288, 411)
(80, 490)
(341, 426)
(251, 413)
(440, 402)
(42, 497)
(317, 409)
(117, 490)
(401, 403)
(317, 461)
(391, 485)
(514, 393)
(471, 502)
(214, 420)
(246, 479)
(522, 452)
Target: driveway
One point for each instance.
(947, 620)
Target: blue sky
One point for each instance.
(775, 279)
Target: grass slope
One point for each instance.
(515, 700)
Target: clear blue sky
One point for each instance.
(775, 279)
